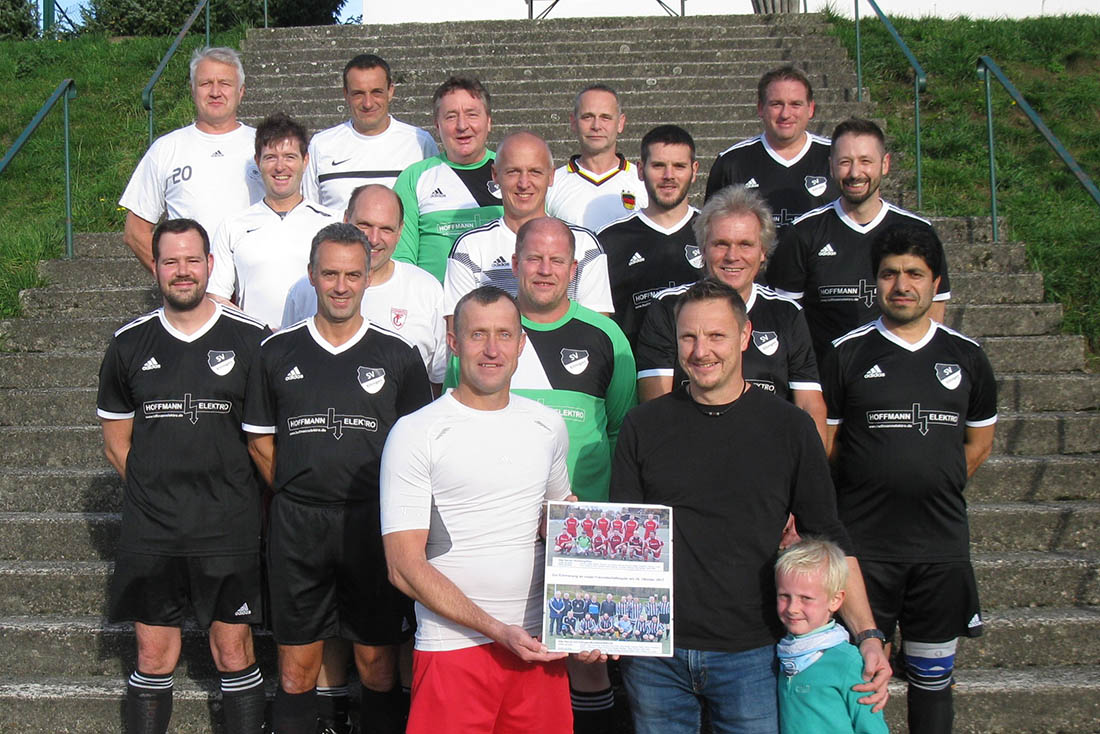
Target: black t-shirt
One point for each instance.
(643, 259)
(731, 480)
(191, 488)
(791, 188)
(903, 410)
(824, 260)
(779, 359)
(331, 408)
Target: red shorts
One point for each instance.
(487, 689)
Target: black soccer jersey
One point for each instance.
(644, 258)
(823, 260)
(779, 358)
(903, 410)
(791, 188)
(331, 408)
(191, 488)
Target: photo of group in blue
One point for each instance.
(603, 531)
(616, 621)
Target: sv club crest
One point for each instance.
(949, 375)
(816, 185)
(372, 379)
(694, 256)
(221, 362)
(575, 361)
(766, 341)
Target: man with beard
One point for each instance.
(654, 248)
(171, 394)
(822, 259)
(907, 388)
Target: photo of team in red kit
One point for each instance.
(625, 537)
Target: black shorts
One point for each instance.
(327, 576)
(930, 602)
(158, 590)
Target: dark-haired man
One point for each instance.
(320, 403)
(370, 147)
(171, 396)
(205, 170)
(260, 253)
(654, 248)
(907, 388)
(823, 258)
(598, 185)
(452, 192)
(786, 164)
(751, 459)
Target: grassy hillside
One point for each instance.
(109, 129)
(1055, 63)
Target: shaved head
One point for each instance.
(521, 143)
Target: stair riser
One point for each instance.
(1051, 529)
(1043, 355)
(28, 371)
(46, 492)
(27, 592)
(118, 303)
(1005, 585)
(1072, 643)
(1040, 434)
(60, 538)
(1012, 479)
(1005, 320)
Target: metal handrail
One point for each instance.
(65, 91)
(546, 12)
(987, 67)
(920, 80)
(147, 93)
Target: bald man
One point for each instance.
(524, 170)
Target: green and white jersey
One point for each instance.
(582, 367)
(442, 200)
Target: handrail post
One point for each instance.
(48, 18)
(208, 25)
(859, 58)
(916, 126)
(265, 13)
(68, 179)
(150, 117)
(984, 73)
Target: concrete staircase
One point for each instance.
(1035, 506)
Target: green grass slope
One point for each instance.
(1055, 63)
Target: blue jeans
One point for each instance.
(739, 688)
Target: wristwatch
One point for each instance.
(869, 634)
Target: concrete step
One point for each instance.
(1038, 354)
(84, 646)
(1017, 638)
(80, 273)
(1031, 393)
(989, 288)
(100, 244)
(55, 406)
(75, 489)
(54, 587)
(1034, 526)
(1012, 580)
(1004, 319)
(1033, 479)
(94, 705)
(62, 368)
(1030, 434)
(52, 447)
(50, 334)
(115, 302)
(59, 536)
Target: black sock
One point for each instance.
(243, 700)
(592, 711)
(295, 713)
(148, 703)
(381, 712)
(930, 712)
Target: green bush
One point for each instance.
(143, 18)
(18, 19)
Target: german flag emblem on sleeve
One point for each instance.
(628, 200)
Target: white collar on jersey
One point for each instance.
(198, 333)
(780, 159)
(895, 339)
(324, 343)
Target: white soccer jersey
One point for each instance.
(483, 256)
(410, 303)
(259, 255)
(341, 159)
(189, 173)
(476, 480)
(593, 200)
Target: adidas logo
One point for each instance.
(500, 262)
(827, 250)
(635, 259)
(150, 364)
(294, 374)
(217, 154)
(244, 611)
(751, 184)
(975, 621)
(874, 372)
(438, 194)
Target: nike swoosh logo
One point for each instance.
(251, 230)
(336, 163)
